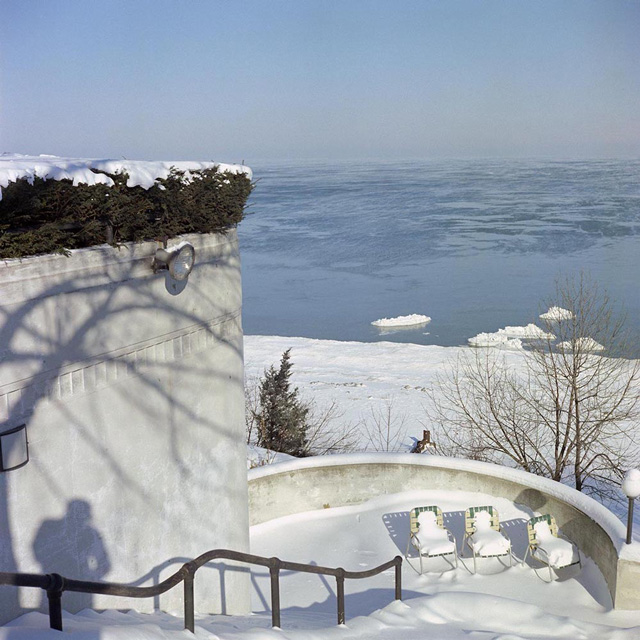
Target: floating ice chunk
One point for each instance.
(402, 321)
(510, 337)
(556, 314)
(495, 340)
(581, 344)
(531, 331)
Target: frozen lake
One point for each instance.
(476, 245)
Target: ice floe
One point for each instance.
(581, 344)
(510, 337)
(556, 314)
(402, 321)
(495, 340)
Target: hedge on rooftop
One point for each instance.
(53, 216)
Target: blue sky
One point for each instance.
(276, 79)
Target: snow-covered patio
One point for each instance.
(443, 603)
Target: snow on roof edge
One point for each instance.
(614, 528)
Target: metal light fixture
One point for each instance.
(631, 488)
(14, 448)
(179, 260)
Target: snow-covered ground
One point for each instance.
(364, 379)
(258, 457)
(444, 603)
(372, 383)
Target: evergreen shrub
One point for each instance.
(53, 216)
(282, 417)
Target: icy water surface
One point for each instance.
(476, 245)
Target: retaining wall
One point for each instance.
(131, 386)
(307, 484)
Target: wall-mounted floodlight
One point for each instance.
(14, 448)
(631, 488)
(178, 260)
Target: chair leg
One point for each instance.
(474, 561)
(550, 574)
(406, 553)
(420, 553)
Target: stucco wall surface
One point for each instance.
(131, 386)
(292, 487)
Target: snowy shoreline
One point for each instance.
(369, 381)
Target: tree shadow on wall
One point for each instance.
(40, 338)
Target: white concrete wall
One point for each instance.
(292, 487)
(131, 386)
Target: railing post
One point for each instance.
(189, 606)
(54, 595)
(398, 577)
(340, 593)
(274, 570)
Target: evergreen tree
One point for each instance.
(282, 418)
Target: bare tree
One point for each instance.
(384, 428)
(328, 433)
(569, 413)
(251, 406)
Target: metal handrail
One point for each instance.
(55, 584)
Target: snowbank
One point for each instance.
(402, 321)
(259, 456)
(83, 170)
(442, 603)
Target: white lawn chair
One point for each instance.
(483, 534)
(429, 536)
(548, 547)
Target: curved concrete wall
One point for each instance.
(131, 385)
(292, 487)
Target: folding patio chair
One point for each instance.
(428, 534)
(548, 547)
(483, 534)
